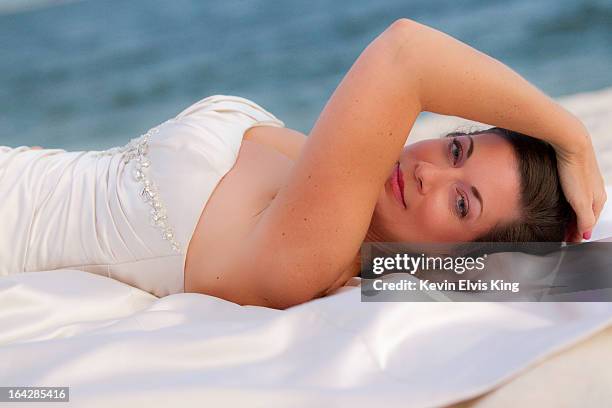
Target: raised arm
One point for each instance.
(452, 78)
(455, 79)
(315, 225)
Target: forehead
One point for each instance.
(493, 170)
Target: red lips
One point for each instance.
(398, 185)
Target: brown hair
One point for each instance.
(546, 214)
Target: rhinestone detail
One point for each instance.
(136, 151)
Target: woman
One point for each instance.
(258, 214)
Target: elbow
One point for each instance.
(408, 48)
(289, 287)
(403, 42)
(286, 295)
(402, 24)
(274, 297)
(279, 299)
(406, 35)
(283, 303)
(403, 29)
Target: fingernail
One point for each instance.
(587, 235)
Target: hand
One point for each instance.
(35, 147)
(582, 184)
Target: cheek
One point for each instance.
(434, 210)
(432, 220)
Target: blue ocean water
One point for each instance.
(93, 74)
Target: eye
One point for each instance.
(462, 205)
(456, 150)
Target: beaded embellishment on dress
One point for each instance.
(136, 151)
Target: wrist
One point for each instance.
(573, 140)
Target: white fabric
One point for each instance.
(83, 210)
(116, 345)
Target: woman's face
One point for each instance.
(455, 189)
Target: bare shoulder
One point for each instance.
(284, 140)
(266, 158)
(313, 228)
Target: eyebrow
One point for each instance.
(470, 147)
(474, 189)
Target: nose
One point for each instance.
(427, 175)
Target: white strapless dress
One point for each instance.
(129, 212)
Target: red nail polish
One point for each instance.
(587, 235)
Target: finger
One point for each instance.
(576, 238)
(599, 203)
(586, 218)
(36, 147)
(597, 209)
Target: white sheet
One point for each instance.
(117, 346)
(113, 344)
